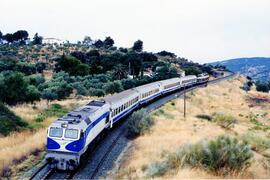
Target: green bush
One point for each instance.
(221, 156)
(81, 90)
(139, 123)
(128, 83)
(257, 143)
(262, 86)
(32, 93)
(9, 121)
(96, 92)
(157, 169)
(225, 121)
(56, 90)
(113, 87)
(25, 68)
(14, 88)
(192, 70)
(257, 125)
(36, 80)
(72, 65)
(54, 110)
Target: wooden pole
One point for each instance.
(185, 101)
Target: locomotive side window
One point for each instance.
(71, 133)
(56, 132)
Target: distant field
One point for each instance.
(220, 109)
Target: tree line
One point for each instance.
(20, 36)
(97, 70)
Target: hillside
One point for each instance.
(258, 68)
(209, 114)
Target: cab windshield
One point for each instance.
(56, 132)
(71, 133)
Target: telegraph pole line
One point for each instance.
(185, 101)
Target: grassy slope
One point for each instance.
(171, 130)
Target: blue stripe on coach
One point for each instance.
(169, 90)
(150, 98)
(125, 112)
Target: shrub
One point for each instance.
(113, 87)
(9, 121)
(54, 110)
(15, 88)
(96, 92)
(192, 70)
(25, 68)
(7, 63)
(71, 65)
(257, 143)
(81, 90)
(257, 125)
(36, 80)
(49, 94)
(56, 90)
(221, 156)
(32, 93)
(128, 83)
(262, 86)
(139, 123)
(157, 169)
(225, 121)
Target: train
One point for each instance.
(70, 136)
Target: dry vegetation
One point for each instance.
(16, 147)
(171, 130)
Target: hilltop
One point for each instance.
(258, 68)
(211, 112)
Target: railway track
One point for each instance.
(99, 156)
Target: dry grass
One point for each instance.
(20, 145)
(29, 112)
(171, 130)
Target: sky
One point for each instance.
(200, 30)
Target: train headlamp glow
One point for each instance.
(64, 125)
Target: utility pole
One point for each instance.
(184, 101)
(129, 69)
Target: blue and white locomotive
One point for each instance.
(69, 136)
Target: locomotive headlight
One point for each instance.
(64, 125)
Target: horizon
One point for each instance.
(225, 29)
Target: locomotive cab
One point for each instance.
(63, 143)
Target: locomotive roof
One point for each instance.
(80, 114)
